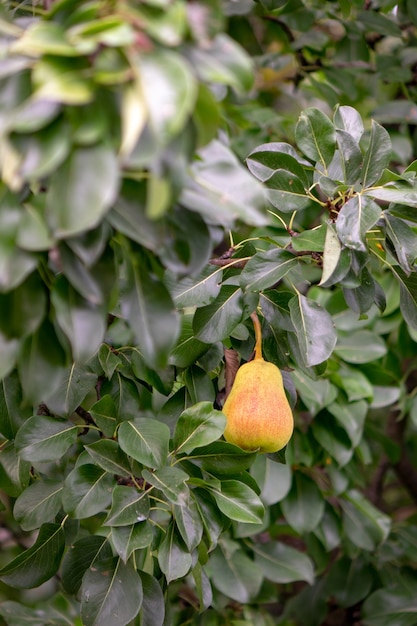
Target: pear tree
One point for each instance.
(180, 179)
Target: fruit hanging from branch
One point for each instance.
(258, 413)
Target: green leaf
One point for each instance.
(404, 240)
(127, 539)
(107, 454)
(350, 581)
(169, 89)
(266, 268)
(111, 594)
(87, 491)
(146, 440)
(83, 322)
(81, 554)
(16, 615)
(390, 607)
(314, 329)
(12, 413)
(152, 612)
(350, 157)
(194, 290)
(14, 472)
(221, 60)
(173, 557)
(408, 294)
(41, 364)
(148, 307)
(311, 240)
(211, 190)
(75, 384)
(238, 502)
(304, 505)
(336, 260)
(332, 438)
(128, 507)
(234, 574)
(351, 417)
(198, 426)
(39, 563)
(355, 219)
(188, 349)
(364, 525)
(221, 458)
(61, 80)
(273, 478)
(283, 564)
(23, 308)
(377, 155)
(171, 482)
(82, 190)
(9, 350)
(217, 320)
(104, 413)
(360, 346)
(39, 503)
(265, 159)
(189, 523)
(286, 191)
(315, 136)
(348, 119)
(43, 438)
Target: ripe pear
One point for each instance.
(257, 410)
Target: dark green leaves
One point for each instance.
(82, 190)
(44, 438)
(315, 136)
(145, 440)
(198, 426)
(314, 329)
(38, 563)
(111, 594)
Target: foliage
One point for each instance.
(168, 168)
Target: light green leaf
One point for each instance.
(238, 501)
(169, 90)
(198, 426)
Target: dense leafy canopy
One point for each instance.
(167, 169)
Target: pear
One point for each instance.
(257, 410)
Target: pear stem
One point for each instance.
(258, 335)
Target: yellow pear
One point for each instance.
(257, 410)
